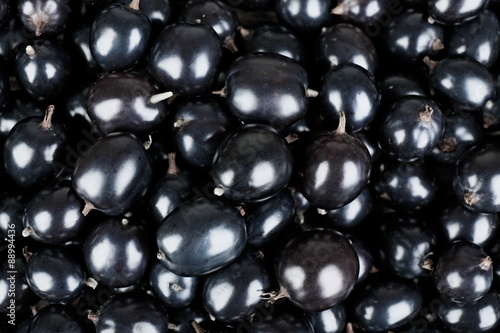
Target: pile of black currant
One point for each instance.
(249, 166)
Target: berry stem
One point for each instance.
(160, 97)
(197, 328)
(134, 4)
(437, 45)
(426, 115)
(342, 123)
(30, 51)
(340, 9)
(231, 45)
(485, 263)
(430, 63)
(273, 296)
(47, 119)
(27, 232)
(173, 169)
(87, 208)
(221, 93)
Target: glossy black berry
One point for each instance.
(456, 222)
(480, 316)
(411, 128)
(252, 164)
(33, 149)
(475, 179)
(266, 220)
(409, 37)
(460, 81)
(233, 292)
(44, 69)
(403, 186)
(217, 15)
(185, 58)
(116, 253)
(198, 126)
(461, 133)
(54, 215)
(455, 12)
(126, 102)
(58, 318)
(274, 39)
(385, 304)
(201, 237)
(173, 290)
(267, 88)
(463, 272)
(304, 17)
(484, 46)
(353, 90)
(337, 168)
(345, 43)
(45, 17)
(132, 312)
(113, 174)
(55, 274)
(316, 269)
(119, 36)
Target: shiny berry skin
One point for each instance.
(450, 12)
(303, 16)
(201, 237)
(384, 304)
(456, 222)
(409, 37)
(470, 317)
(266, 220)
(408, 245)
(317, 269)
(185, 58)
(44, 69)
(45, 17)
(116, 253)
(172, 290)
(475, 177)
(484, 47)
(217, 15)
(411, 128)
(55, 274)
(33, 149)
(463, 272)
(460, 81)
(267, 88)
(274, 39)
(58, 318)
(125, 102)
(238, 287)
(54, 215)
(204, 121)
(132, 312)
(113, 174)
(352, 89)
(332, 320)
(403, 186)
(461, 133)
(253, 163)
(119, 37)
(345, 43)
(336, 169)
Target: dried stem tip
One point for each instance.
(30, 51)
(485, 263)
(430, 63)
(173, 169)
(426, 114)
(87, 208)
(134, 4)
(47, 119)
(273, 296)
(342, 123)
(160, 97)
